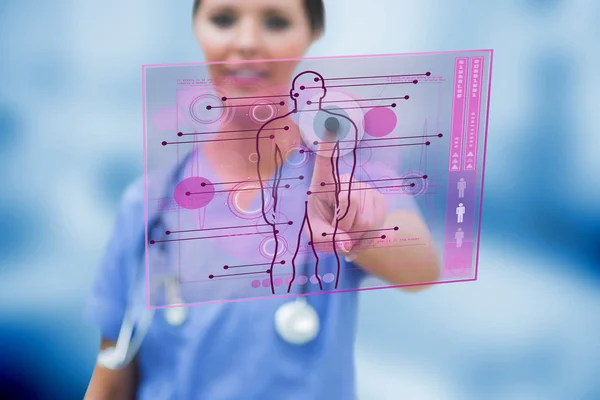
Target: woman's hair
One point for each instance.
(315, 11)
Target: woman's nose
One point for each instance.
(248, 43)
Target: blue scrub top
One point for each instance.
(229, 351)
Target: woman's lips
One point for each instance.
(246, 76)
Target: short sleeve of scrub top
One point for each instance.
(229, 351)
(107, 302)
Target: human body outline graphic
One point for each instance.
(318, 171)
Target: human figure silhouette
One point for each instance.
(326, 172)
(460, 211)
(461, 186)
(459, 236)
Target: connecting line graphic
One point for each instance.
(320, 78)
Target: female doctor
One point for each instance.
(238, 351)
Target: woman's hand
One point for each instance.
(340, 205)
(344, 211)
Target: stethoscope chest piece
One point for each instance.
(297, 322)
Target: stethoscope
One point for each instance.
(296, 322)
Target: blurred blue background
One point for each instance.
(71, 140)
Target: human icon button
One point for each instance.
(460, 212)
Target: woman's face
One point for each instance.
(239, 30)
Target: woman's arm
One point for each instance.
(107, 384)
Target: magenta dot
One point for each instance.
(383, 236)
(255, 283)
(301, 152)
(308, 193)
(290, 222)
(424, 176)
(302, 279)
(272, 136)
(406, 97)
(287, 186)
(281, 103)
(415, 81)
(301, 177)
(191, 194)
(179, 134)
(393, 105)
(309, 102)
(328, 277)
(225, 266)
(152, 242)
(266, 283)
(316, 79)
(296, 95)
(302, 87)
(395, 228)
(286, 128)
(412, 184)
(276, 231)
(164, 143)
(322, 183)
(427, 143)
(277, 282)
(380, 121)
(224, 98)
(440, 134)
(323, 234)
(427, 73)
(211, 276)
(282, 262)
(208, 107)
(315, 143)
(167, 232)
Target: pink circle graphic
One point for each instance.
(266, 282)
(301, 280)
(255, 283)
(277, 282)
(193, 193)
(380, 121)
(202, 108)
(262, 111)
(314, 280)
(267, 247)
(255, 211)
(328, 277)
(414, 183)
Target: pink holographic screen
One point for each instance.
(158, 127)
